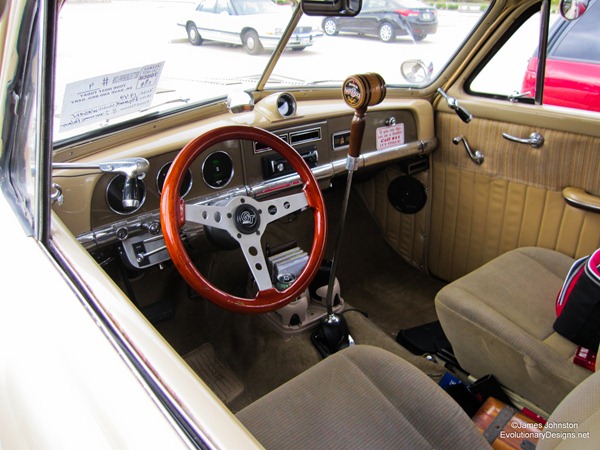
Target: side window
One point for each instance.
(503, 76)
(572, 71)
(222, 7)
(375, 4)
(208, 6)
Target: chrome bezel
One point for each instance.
(230, 175)
(158, 187)
(290, 100)
(129, 212)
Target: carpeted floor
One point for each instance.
(373, 279)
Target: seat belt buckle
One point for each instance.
(585, 358)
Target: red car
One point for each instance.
(573, 65)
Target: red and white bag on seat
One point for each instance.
(578, 303)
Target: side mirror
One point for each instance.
(573, 9)
(416, 71)
(331, 7)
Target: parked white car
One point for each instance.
(255, 24)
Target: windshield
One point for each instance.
(243, 7)
(129, 60)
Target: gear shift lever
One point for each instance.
(359, 92)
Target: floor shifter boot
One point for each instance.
(331, 335)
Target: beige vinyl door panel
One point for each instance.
(513, 199)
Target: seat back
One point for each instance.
(575, 423)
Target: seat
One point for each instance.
(360, 398)
(499, 321)
(365, 397)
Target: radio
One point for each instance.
(276, 166)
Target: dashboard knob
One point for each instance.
(152, 227)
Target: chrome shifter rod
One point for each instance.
(359, 92)
(132, 168)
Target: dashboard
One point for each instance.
(319, 131)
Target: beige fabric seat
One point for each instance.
(499, 321)
(367, 398)
(360, 398)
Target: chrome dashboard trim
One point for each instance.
(118, 231)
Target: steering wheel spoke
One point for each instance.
(275, 209)
(215, 216)
(255, 257)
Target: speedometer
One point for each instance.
(217, 170)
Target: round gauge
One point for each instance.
(114, 195)
(186, 185)
(286, 105)
(217, 170)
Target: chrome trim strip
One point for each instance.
(118, 231)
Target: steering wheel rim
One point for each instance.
(173, 211)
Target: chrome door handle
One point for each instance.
(536, 140)
(476, 156)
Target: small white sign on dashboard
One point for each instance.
(107, 96)
(390, 136)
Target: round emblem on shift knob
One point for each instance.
(361, 91)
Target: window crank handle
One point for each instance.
(476, 156)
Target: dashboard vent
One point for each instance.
(261, 148)
(300, 137)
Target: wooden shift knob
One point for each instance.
(360, 92)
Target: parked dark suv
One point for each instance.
(573, 64)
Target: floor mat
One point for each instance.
(214, 373)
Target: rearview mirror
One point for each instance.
(331, 7)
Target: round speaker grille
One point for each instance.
(407, 194)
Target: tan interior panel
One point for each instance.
(513, 199)
(406, 233)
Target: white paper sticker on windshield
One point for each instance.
(390, 136)
(108, 96)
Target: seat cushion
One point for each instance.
(361, 397)
(499, 320)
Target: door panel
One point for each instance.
(513, 199)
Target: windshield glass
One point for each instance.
(243, 7)
(129, 60)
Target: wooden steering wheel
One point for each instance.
(245, 219)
